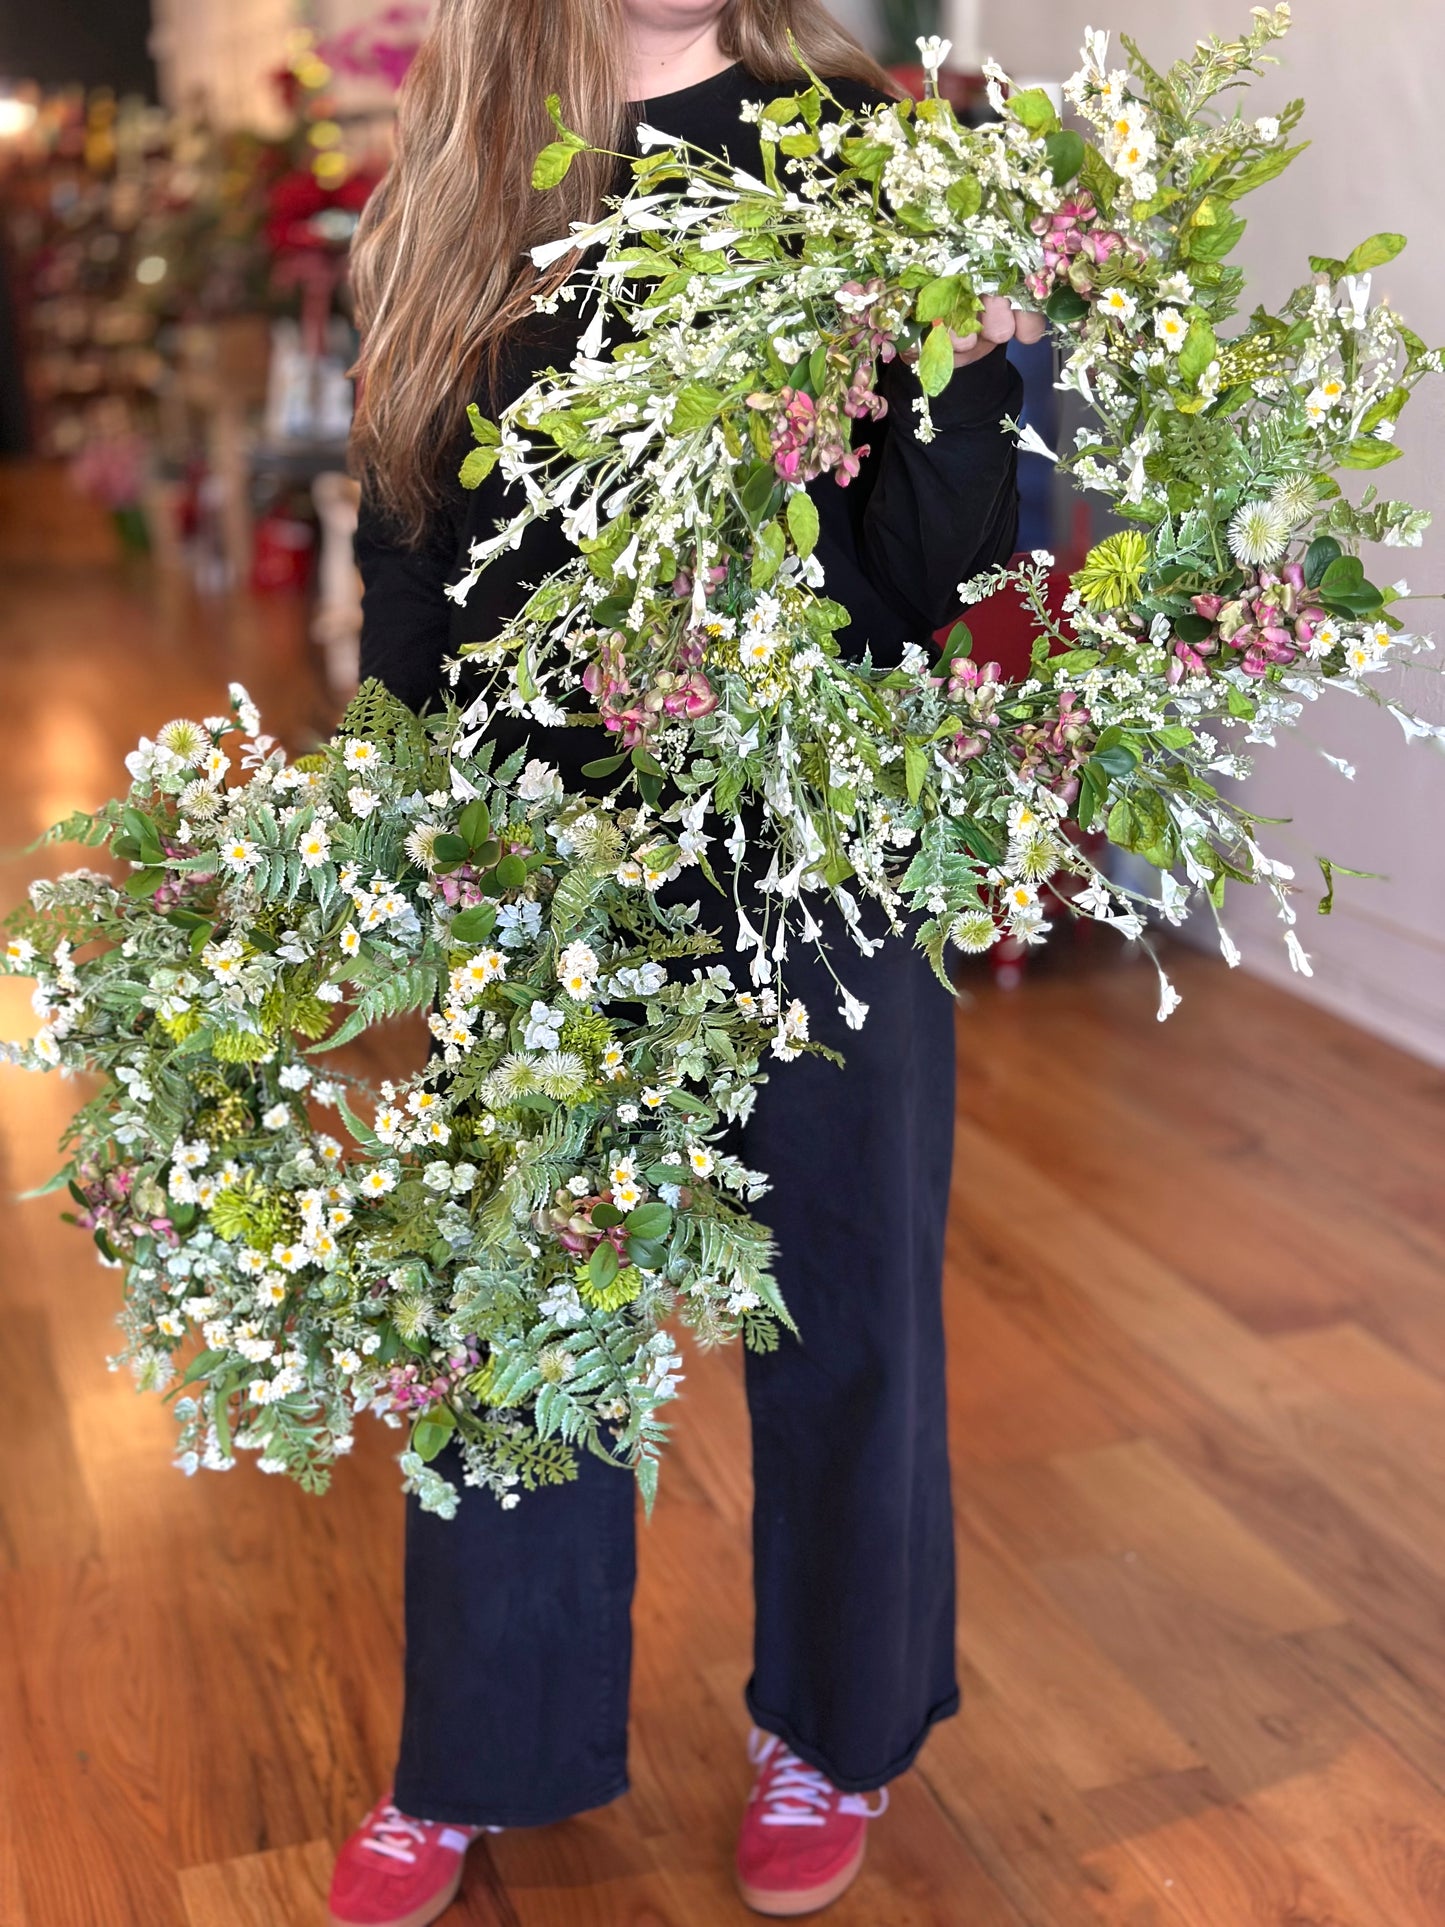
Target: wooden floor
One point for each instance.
(1197, 1319)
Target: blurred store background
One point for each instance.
(179, 182)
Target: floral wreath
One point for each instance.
(495, 1252)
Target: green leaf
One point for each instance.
(964, 197)
(1374, 253)
(603, 1266)
(959, 643)
(475, 823)
(474, 925)
(1214, 242)
(935, 364)
(605, 1216)
(696, 407)
(1033, 109)
(1267, 168)
(554, 163)
(604, 766)
(1199, 350)
(649, 1221)
(758, 493)
(915, 766)
(450, 850)
(937, 298)
(1065, 150)
(512, 873)
(1320, 554)
(769, 550)
(803, 523)
(143, 883)
(1344, 576)
(667, 1174)
(483, 431)
(1066, 305)
(477, 466)
(430, 1435)
(1365, 452)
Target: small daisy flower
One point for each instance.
(577, 970)
(315, 847)
(240, 854)
(1171, 328)
(224, 960)
(1117, 304)
(277, 1118)
(701, 1160)
(362, 756)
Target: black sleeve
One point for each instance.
(405, 614)
(943, 510)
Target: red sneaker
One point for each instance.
(398, 1872)
(803, 1841)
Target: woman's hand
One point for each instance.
(999, 323)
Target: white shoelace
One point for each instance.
(795, 1794)
(395, 1836)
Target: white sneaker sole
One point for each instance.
(807, 1900)
(423, 1916)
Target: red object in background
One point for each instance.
(1003, 631)
(1003, 627)
(298, 204)
(283, 553)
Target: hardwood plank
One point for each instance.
(1035, 1835)
(1148, 1511)
(1368, 1823)
(84, 1699)
(45, 1515)
(289, 1884)
(1215, 1863)
(1087, 1713)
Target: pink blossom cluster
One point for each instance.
(811, 438)
(109, 1209)
(1055, 748)
(679, 692)
(977, 690)
(417, 1388)
(1270, 623)
(872, 337)
(1076, 245)
(1050, 749)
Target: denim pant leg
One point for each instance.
(519, 1652)
(853, 1527)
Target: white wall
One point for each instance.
(1371, 78)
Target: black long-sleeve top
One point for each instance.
(919, 519)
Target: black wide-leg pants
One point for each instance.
(518, 1623)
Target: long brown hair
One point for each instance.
(440, 266)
